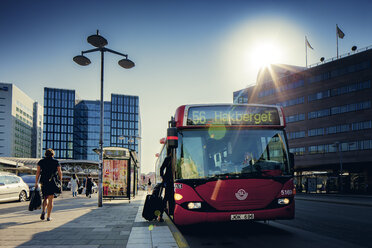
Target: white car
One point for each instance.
(13, 188)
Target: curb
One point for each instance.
(177, 235)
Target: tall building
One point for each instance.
(37, 138)
(58, 134)
(125, 121)
(18, 133)
(122, 125)
(87, 128)
(329, 119)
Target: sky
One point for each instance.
(185, 51)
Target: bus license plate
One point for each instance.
(242, 217)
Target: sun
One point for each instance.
(258, 42)
(263, 54)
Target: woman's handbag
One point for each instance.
(55, 184)
(35, 200)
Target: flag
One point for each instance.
(307, 43)
(340, 33)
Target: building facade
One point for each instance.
(87, 128)
(59, 105)
(72, 127)
(17, 123)
(329, 120)
(37, 138)
(125, 122)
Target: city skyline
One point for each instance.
(185, 52)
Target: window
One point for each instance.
(318, 114)
(296, 135)
(332, 148)
(319, 95)
(312, 149)
(298, 151)
(315, 132)
(12, 180)
(201, 156)
(339, 72)
(291, 102)
(295, 118)
(361, 125)
(353, 146)
(282, 88)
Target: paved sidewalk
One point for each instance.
(78, 222)
(147, 234)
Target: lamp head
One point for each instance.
(81, 60)
(97, 40)
(126, 63)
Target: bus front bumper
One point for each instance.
(183, 216)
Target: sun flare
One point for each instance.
(255, 43)
(264, 54)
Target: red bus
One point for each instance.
(230, 162)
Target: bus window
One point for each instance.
(192, 165)
(248, 152)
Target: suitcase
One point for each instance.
(153, 205)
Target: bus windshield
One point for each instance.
(231, 153)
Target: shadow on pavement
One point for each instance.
(75, 221)
(9, 224)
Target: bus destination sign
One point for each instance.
(233, 115)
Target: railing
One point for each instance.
(341, 56)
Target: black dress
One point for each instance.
(48, 167)
(88, 190)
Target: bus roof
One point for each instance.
(247, 115)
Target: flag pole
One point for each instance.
(306, 51)
(337, 39)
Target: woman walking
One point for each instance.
(149, 189)
(74, 185)
(47, 169)
(88, 186)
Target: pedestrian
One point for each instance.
(74, 185)
(88, 186)
(47, 168)
(149, 186)
(166, 175)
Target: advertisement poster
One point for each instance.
(115, 178)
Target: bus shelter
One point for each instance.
(120, 173)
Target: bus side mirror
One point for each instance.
(291, 161)
(172, 138)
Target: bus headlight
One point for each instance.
(177, 196)
(194, 205)
(283, 201)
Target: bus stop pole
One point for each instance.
(100, 188)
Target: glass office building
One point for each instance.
(125, 121)
(121, 124)
(58, 132)
(87, 129)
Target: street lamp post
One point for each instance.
(100, 42)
